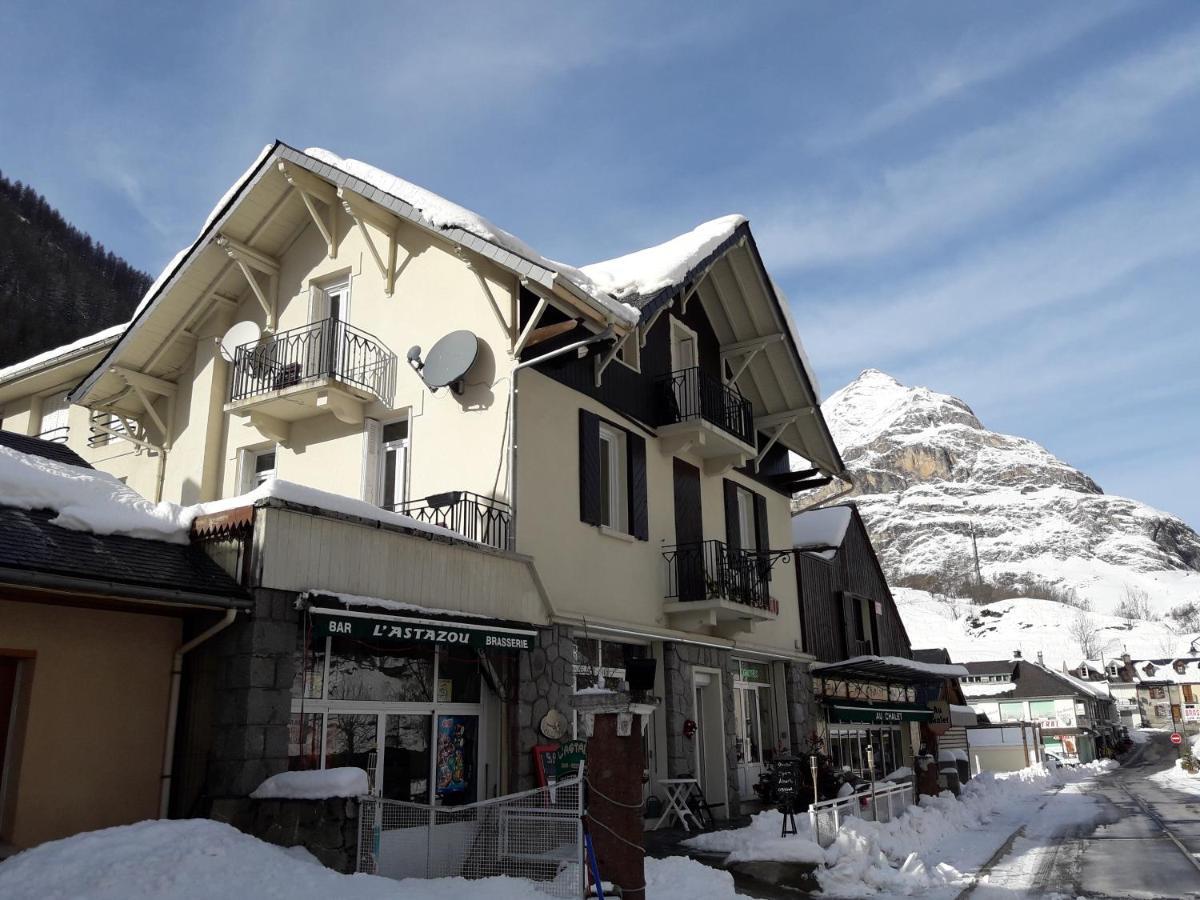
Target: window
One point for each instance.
(1012, 712)
(745, 513)
(257, 466)
(331, 301)
(612, 477)
(614, 484)
(394, 458)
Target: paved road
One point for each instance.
(1146, 845)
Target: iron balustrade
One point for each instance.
(329, 348)
(689, 395)
(57, 435)
(474, 516)
(712, 570)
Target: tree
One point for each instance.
(1134, 605)
(1086, 634)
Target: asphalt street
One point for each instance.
(1143, 839)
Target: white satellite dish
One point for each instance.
(239, 334)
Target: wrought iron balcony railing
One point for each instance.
(57, 435)
(690, 395)
(712, 570)
(475, 517)
(329, 348)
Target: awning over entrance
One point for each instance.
(888, 668)
(878, 714)
(482, 634)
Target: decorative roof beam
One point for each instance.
(534, 319)
(762, 423)
(362, 211)
(779, 430)
(311, 188)
(250, 261)
(602, 361)
(470, 263)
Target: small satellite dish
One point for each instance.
(447, 362)
(239, 334)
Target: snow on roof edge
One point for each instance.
(55, 354)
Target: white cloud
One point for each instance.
(986, 171)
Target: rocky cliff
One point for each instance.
(934, 484)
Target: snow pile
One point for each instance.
(1175, 777)
(906, 855)
(760, 840)
(87, 499)
(197, 859)
(936, 670)
(391, 605)
(33, 362)
(821, 527)
(644, 272)
(317, 784)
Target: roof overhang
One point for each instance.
(893, 669)
(72, 590)
(265, 213)
(60, 372)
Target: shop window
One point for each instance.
(458, 742)
(304, 741)
(1012, 712)
(406, 758)
(358, 671)
(350, 739)
(458, 675)
(601, 663)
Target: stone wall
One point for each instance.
(678, 661)
(328, 829)
(547, 680)
(804, 713)
(253, 696)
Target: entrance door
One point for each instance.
(689, 532)
(710, 738)
(9, 684)
(748, 724)
(685, 358)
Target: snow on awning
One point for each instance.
(888, 668)
(962, 715)
(878, 714)
(820, 529)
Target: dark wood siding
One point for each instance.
(823, 585)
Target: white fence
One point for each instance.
(883, 805)
(536, 835)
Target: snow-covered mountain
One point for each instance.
(927, 472)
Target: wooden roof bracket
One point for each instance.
(747, 350)
(470, 262)
(143, 385)
(530, 325)
(644, 327)
(360, 209)
(609, 355)
(250, 261)
(311, 188)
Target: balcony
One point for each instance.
(697, 412)
(715, 585)
(475, 517)
(328, 366)
(59, 435)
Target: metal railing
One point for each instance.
(881, 805)
(329, 348)
(712, 570)
(474, 516)
(536, 835)
(98, 438)
(689, 395)
(57, 435)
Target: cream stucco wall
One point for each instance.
(96, 721)
(612, 579)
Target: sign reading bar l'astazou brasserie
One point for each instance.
(401, 632)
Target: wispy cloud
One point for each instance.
(974, 61)
(987, 171)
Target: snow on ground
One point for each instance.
(1174, 777)
(315, 784)
(197, 859)
(971, 633)
(908, 855)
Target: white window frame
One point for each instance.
(680, 330)
(403, 446)
(248, 476)
(613, 447)
(747, 523)
(323, 293)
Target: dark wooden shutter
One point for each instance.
(849, 628)
(733, 535)
(589, 467)
(639, 524)
(763, 534)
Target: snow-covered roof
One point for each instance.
(356, 600)
(821, 528)
(80, 347)
(87, 499)
(889, 665)
(974, 689)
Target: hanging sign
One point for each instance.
(419, 631)
(879, 715)
(753, 671)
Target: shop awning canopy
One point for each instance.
(480, 633)
(888, 668)
(878, 713)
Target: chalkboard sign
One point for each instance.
(787, 791)
(570, 755)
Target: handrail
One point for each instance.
(58, 435)
(472, 515)
(690, 394)
(709, 570)
(329, 348)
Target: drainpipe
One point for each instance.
(173, 706)
(604, 335)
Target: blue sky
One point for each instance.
(1000, 201)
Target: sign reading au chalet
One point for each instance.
(421, 632)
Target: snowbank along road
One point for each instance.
(1140, 839)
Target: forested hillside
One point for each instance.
(56, 283)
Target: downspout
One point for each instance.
(604, 335)
(168, 765)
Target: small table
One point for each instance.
(678, 791)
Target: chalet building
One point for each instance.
(1151, 693)
(92, 626)
(867, 690)
(462, 482)
(1076, 718)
